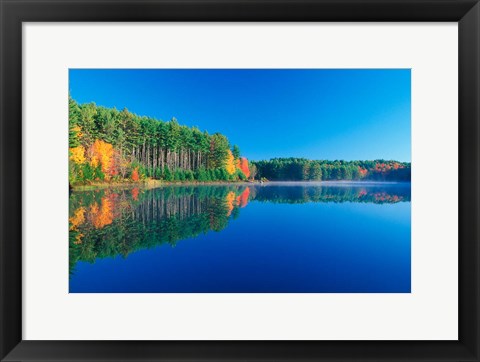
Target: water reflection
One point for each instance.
(295, 193)
(113, 222)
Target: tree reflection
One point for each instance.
(106, 223)
(374, 193)
(109, 223)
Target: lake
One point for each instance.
(290, 237)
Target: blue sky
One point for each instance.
(349, 114)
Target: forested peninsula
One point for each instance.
(111, 146)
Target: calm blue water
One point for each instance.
(293, 238)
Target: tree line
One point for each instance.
(301, 169)
(106, 144)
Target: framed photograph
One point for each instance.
(240, 180)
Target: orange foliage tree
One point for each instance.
(362, 172)
(243, 166)
(135, 176)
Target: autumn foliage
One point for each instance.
(229, 201)
(102, 153)
(101, 215)
(77, 155)
(242, 200)
(77, 219)
(229, 163)
(135, 176)
(243, 166)
(362, 172)
(106, 144)
(135, 192)
(233, 200)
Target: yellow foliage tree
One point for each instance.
(77, 154)
(230, 163)
(102, 154)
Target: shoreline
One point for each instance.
(151, 184)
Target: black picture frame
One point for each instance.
(15, 12)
